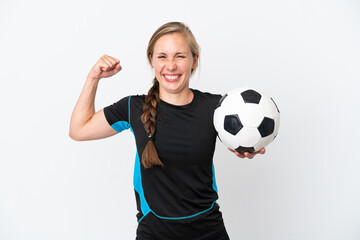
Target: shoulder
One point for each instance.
(206, 97)
(206, 94)
(136, 101)
(125, 103)
(138, 97)
(133, 99)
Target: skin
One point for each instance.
(247, 154)
(85, 123)
(171, 57)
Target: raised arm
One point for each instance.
(85, 123)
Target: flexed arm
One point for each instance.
(85, 123)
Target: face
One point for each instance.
(173, 61)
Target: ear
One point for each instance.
(196, 60)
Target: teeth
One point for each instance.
(172, 77)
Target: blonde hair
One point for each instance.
(150, 157)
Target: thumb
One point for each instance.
(117, 69)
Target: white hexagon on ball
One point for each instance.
(250, 115)
(247, 137)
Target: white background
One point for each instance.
(305, 54)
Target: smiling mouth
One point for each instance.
(172, 77)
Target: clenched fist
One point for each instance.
(105, 67)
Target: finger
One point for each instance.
(116, 69)
(118, 66)
(115, 65)
(239, 154)
(106, 60)
(113, 61)
(110, 61)
(231, 150)
(108, 64)
(104, 66)
(248, 155)
(262, 151)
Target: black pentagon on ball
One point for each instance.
(251, 96)
(232, 124)
(266, 127)
(245, 149)
(220, 101)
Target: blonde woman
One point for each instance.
(174, 181)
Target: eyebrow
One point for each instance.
(162, 53)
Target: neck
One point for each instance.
(179, 99)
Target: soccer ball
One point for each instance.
(246, 120)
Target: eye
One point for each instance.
(181, 56)
(161, 56)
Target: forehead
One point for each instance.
(172, 43)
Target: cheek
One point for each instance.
(188, 67)
(158, 66)
(183, 65)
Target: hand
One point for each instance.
(105, 67)
(247, 154)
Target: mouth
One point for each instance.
(171, 77)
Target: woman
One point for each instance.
(174, 183)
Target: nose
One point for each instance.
(171, 65)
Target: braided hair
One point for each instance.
(152, 99)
